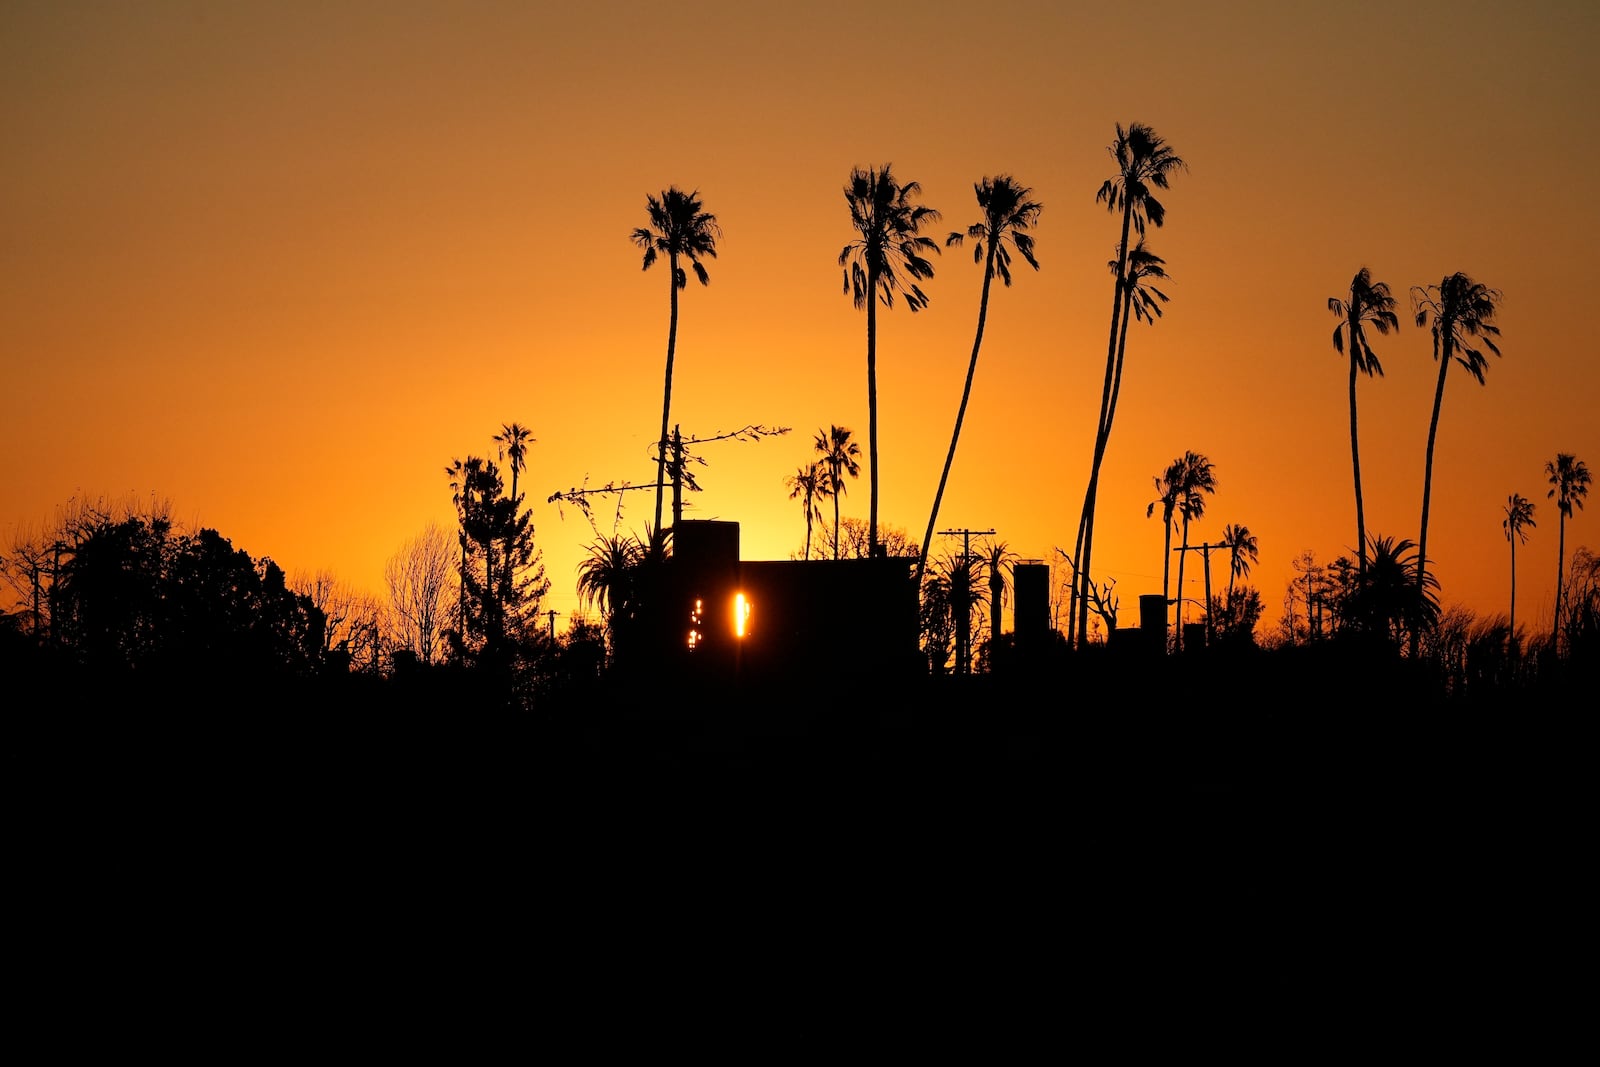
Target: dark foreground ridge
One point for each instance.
(1243, 797)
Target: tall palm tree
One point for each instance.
(1371, 303)
(841, 456)
(1197, 477)
(1145, 162)
(1519, 516)
(1139, 301)
(1569, 484)
(1243, 552)
(1008, 215)
(1168, 486)
(885, 215)
(808, 485)
(679, 229)
(1460, 313)
(513, 439)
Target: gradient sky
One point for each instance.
(279, 263)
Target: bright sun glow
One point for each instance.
(741, 615)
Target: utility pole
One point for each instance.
(552, 614)
(1205, 554)
(960, 594)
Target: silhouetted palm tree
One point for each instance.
(1145, 162)
(807, 485)
(1569, 484)
(679, 229)
(1139, 301)
(998, 561)
(607, 579)
(1460, 311)
(1168, 485)
(841, 456)
(1519, 516)
(513, 439)
(1390, 599)
(1196, 477)
(1369, 303)
(888, 220)
(1007, 216)
(956, 580)
(1242, 552)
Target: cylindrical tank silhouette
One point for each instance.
(1153, 620)
(1031, 584)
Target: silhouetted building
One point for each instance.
(784, 619)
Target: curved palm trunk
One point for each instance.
(1513, 540)
(1427, 485)
(1166, 567)
(836, 517)
(872, 408)
(1561, 563)
(666, 396)
(1182, 556)
(961, 412)
(997, 589)
(1102, 432)
(1355, 451)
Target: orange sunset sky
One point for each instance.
(279, 263)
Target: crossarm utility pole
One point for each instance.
(1205, 555)
(964, 616)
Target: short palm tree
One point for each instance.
(808, 485)
(1145, 163)
(956, 580)
(1569, 484)
(1168, 486)
(1460, 313)
(679, 229)
(607, 578)
(1008, 215)
(888, 256)
(1197, 477)
(1369, 303)
(841, 456)
(1519, 516)
(998, 561)
(1387, 601)
(1243, 552)
(513, 439)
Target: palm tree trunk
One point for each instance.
(1561, 563)
(872, 408)
(1102, 430)
(836, 514)
(1182, 557)
(1166, 566)
(1427, 489)
(961, 412)
(666, 395)
(1355, 455)
(1513, 540)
